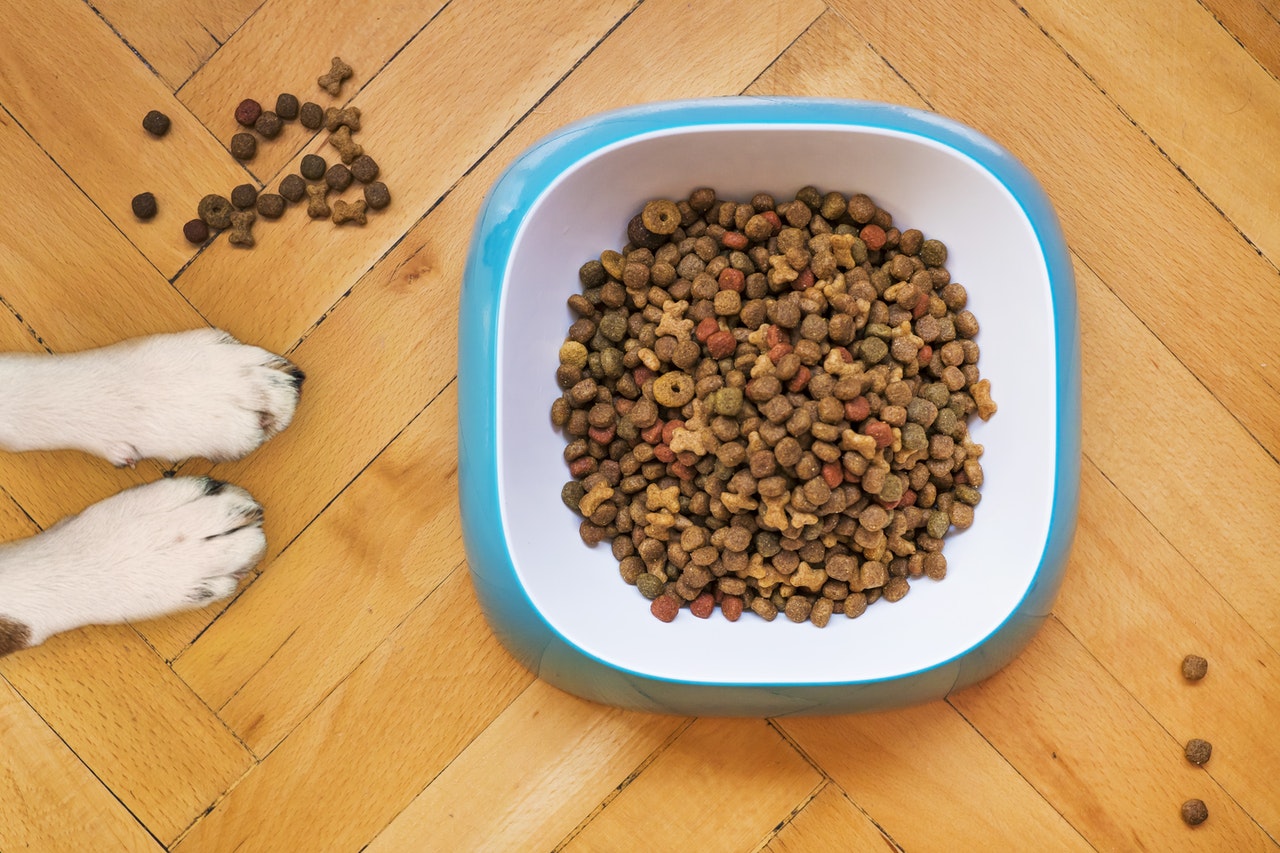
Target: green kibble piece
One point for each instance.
(572, 494)
(946, 422)
(936, 393)
(613, 326)
(938, 525)
(933, 253)
(727, 401)
(611, 364)
(913, 437)
(874, 350)
(650, 585)
(968, 494)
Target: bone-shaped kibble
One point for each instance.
(331, 81)
(656, 498)
(317, 207)
(335, 118)
(348, 148)
(349, 212)
(241, 223)
(808, 577)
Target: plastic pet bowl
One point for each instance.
(562, 609)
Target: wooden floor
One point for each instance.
(351, 697)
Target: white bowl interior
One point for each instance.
(993, 251)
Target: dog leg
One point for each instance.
(172, 397)
(173, 544)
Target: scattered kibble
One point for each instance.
(215, 211)
(244, 146)
(365, 168)
(155, 123)
(354, 211)
(293, 188)
(195, 231)
(268, 124)
(1194, 667)
(317, 204)
(144, 206)
(377, 195)
(311, 116)
(244, 196)
(335, 117)
(287, 106)
(270, 205)
(241, 229)
(338, 177)
(313, 167)
(348, 148)
(1198, 751)
(247, 112)
(331, 81)
(1194, 812)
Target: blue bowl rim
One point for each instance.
(524, 181)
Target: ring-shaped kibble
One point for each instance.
(673, 389)
(215, 211)
(661, 216)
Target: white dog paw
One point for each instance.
(166, 546)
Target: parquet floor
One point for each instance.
(351, 697)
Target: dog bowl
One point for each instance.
(562, 609)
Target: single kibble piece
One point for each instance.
(348, 149)
(195, 231)
(349, 212)
(1194, 667)
(661, 216)
(335, 118)
(331, 81)
(365, 168)
(247, 112)
(317, 205)
(144, 205)
(215, 211)
(312, 167)
(244, 146)
(268, 125)
(293, 187)
(338, 177)
(244, 196)
(270, 205)
(1194, 812)
(1198, 751)
(377, 195)
(155, 123)
(311, 115)
(287, 106)
(241, 225)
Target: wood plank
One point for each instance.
(464, 42)
(1121, 783)
(1059, 124)
(162, 752)
(284, 47)
(829, 822)
(1163, 66)
(1255, 24)
(98, 140)
(361, 757)
(180, 41)
(383, 546)
(49, 800)
(1139, 606)
(530, 778)
(737, 780)
(929, 754)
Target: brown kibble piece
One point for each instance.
(661, 216)
(335, 118)
(317, 205)
(349, 212)
(155, 123)
(144, 206)
(293, 187)
(215, 211)
(287, 106)
(377, 195)
(312, 167)
(1198, 751)
(1194, 812)
(311, 115)
(247, 112)
(331, 81)
(348, 149)
(338, 177)
(1194, 667)
(195, 231)
(244, 146)
(241, 225)
(270, 205)
(365, 168)
(244, 196)
(268, 125)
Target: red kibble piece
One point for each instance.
(873, 236)
(705, 329)
(687, 457)
(880, 431)
(774, 220)
(734, 240)
(774, 336)
(663, 453)
(652, 434)
(732, 279)
(721, 344)
(833, 474)
(642, 375)
(669, 429)
(845, 355)
(800, 381)
(582, 466)
(857, 409)
(922, 307)
(665, 607)
(248, 111)
(703, 605)
(777, 351)
(731, 607)
(804, 280)
(602, 436)
(925, 355)
(681, 470)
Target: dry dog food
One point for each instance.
(244, 146)
(195, 231)
(338, 177)
(1198, 751)
(268, 125)
(335, 118)
(317, 205)
(766, 405)
(354, 211)
(376, 195)
(247, 112)
(287, 106)
(311, 116)
(144, 205)
(331, 80)
(313, 167)
(215, 211)
(348, 148)
(365, 168)
(242, 228)
(244, 196)
(270, 205)
(155, 123)
(293, 187)
(1194, 812)
(1194, 667)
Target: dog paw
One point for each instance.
(200, 393)
(170, 545)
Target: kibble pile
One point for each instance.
(766, 405)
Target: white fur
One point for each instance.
(172, 544)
